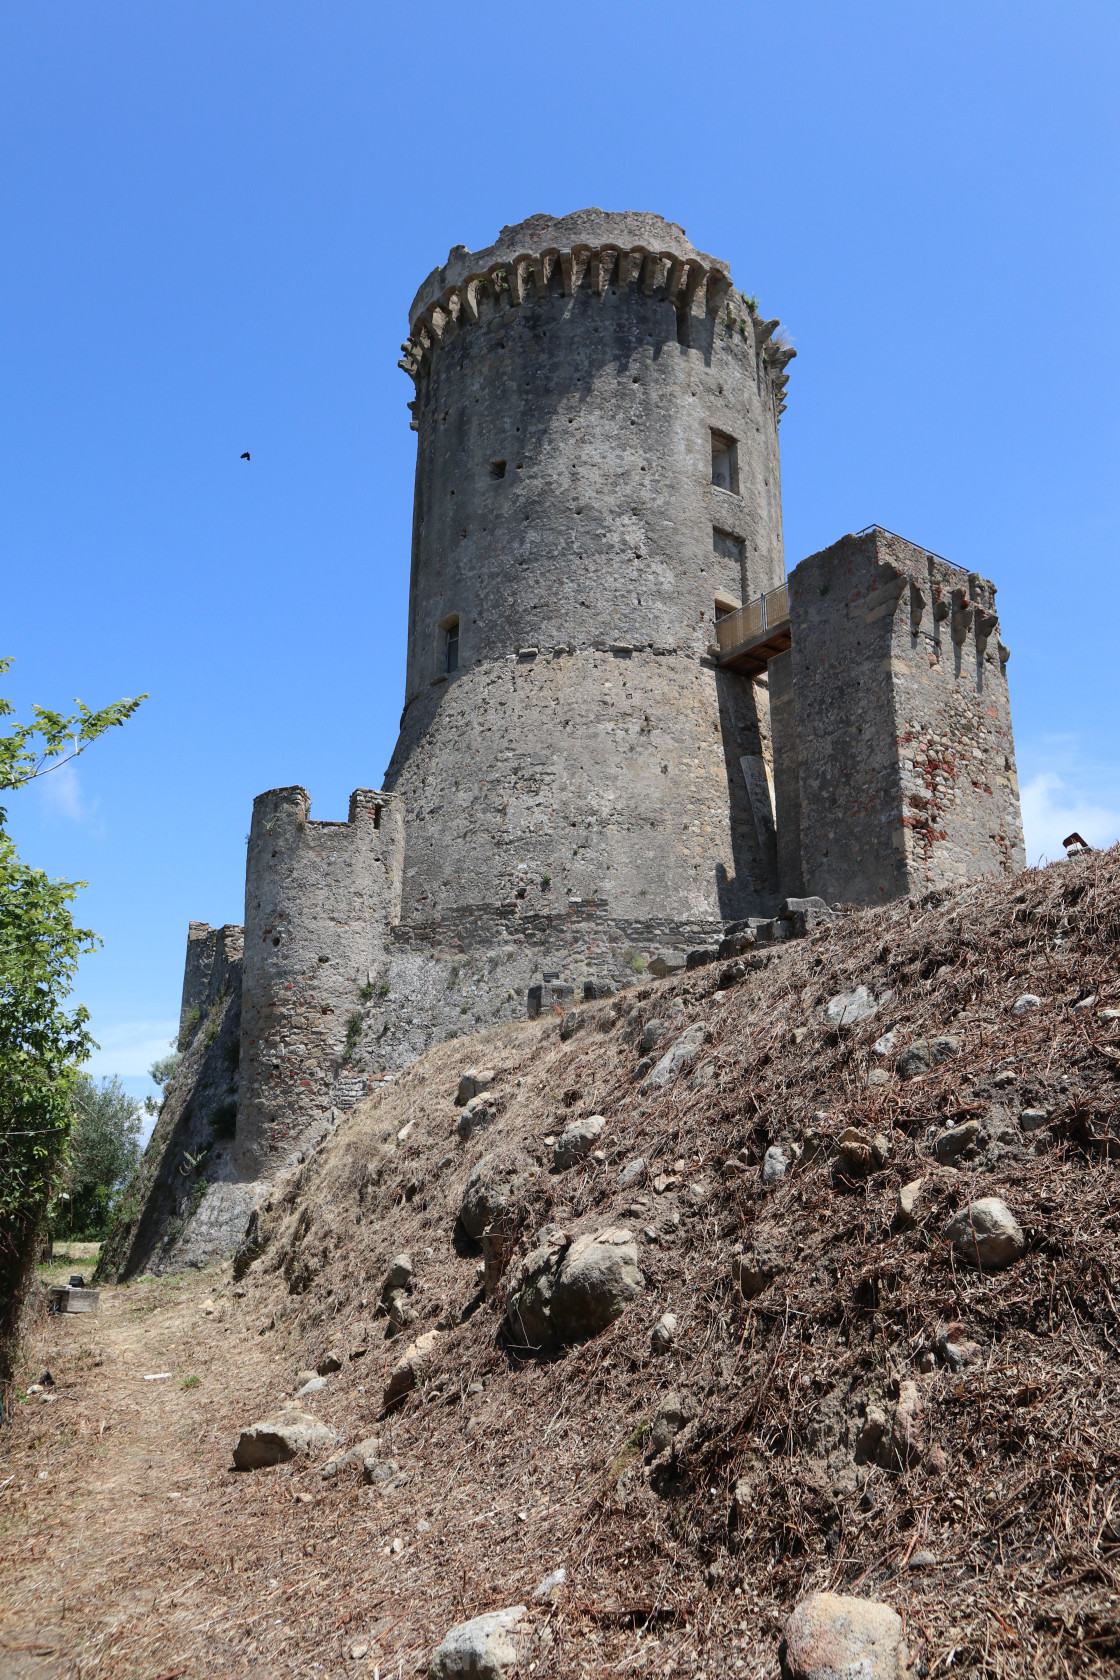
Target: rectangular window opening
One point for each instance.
(725, 463)
(451, 648)
(497, 469)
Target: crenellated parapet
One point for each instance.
(473, 288)
(894, 712)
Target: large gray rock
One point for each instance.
(483, 1649)
(577, 1140)
(680, 1054)
(775, 1165)
(926, 1053)
(832, 1637)
(847, 1009)
(399, 1275)
(986, 1232)
(494, 1184)
(652, 1034)
(411, 1367)
(473, 1083)
(598, 1278)
(669, 1420)
(354, 1458)
(283, 1436)
(564, 1292)
(953, 1142)
(531, 1288)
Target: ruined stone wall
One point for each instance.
(463, 971)
(320, 898)
(960, 787)
(568, 383)
(186, 1203)
(212, 971)
(905, 752)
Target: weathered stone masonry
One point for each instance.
(320, 898)
(623, 737)
(211, 973)
(898, 741)
(570, 382)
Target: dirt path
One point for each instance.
(129, 1547)
(114, 1509)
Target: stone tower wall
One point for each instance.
(320, 899)
(211, 972)
(568, 383)
(904, 747)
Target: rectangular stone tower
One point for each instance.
(895, 764)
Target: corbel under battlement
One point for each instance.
(696, 285)
(957, 602)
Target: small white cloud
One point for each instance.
(1052, 809)
(61, 793)
(128, 1048)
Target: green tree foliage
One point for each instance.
(42, 1042)
(163, 1069)
(51, 740)
(104, 1150)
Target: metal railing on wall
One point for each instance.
(932, 553)
(752, 619)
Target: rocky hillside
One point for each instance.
(795, 1274)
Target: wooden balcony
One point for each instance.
(754, 633)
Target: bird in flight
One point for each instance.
(246, 456)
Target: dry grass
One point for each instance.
(690, 1561)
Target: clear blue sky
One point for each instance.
(214, 218)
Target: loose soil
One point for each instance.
(129, 1547)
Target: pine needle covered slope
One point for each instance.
(846, 1402)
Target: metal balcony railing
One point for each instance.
(755, 618)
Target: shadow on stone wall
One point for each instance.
(185, 1166)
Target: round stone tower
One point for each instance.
(320, 898)
(597, 478)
